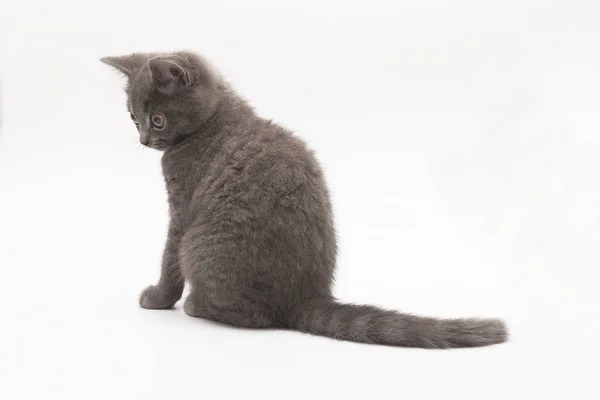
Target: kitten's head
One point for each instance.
(169, 95)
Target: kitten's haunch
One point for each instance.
(251, 226)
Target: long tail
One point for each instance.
(368, 324)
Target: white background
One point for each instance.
(461, 143)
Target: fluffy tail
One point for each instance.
(368, 324)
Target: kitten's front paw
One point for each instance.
(154, 298)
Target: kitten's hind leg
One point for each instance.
(169, 289)
(244, 316)
(215, 262)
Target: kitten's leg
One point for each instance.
(169, 289)
(239, 314)
(222, 278)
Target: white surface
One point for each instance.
(461, 142)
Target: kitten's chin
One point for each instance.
(159, 145)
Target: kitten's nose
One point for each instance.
(144, 139)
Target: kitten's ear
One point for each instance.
(127, 64)
(168, 75)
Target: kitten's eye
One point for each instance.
(133, 118)
(158, 121)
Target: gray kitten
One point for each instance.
(251, 227)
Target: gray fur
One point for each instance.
(251, 227)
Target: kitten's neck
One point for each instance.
(231, 113)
